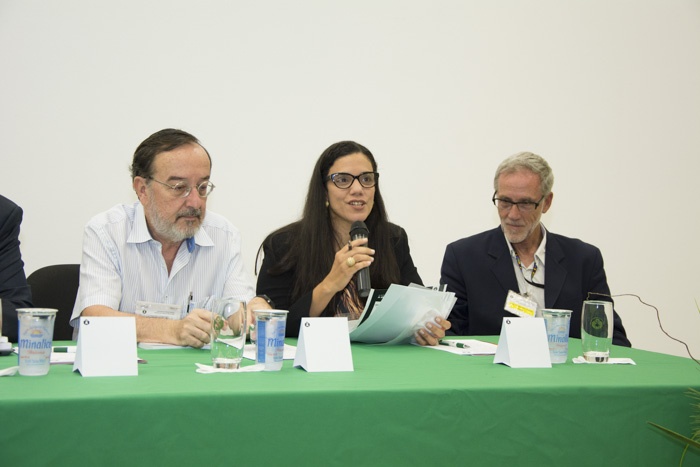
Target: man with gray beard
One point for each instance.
(164, 258)
(547, 270)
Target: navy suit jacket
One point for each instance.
(479, 270)
(14, 290)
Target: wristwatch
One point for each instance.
(267, 299)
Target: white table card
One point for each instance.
(523, 344)
(106, 346)
(324, 345)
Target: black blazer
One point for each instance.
(479, 270)
(14, 291)
(279, 287)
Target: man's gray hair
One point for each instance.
(531, 162)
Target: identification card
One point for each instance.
(519, 305)
(158, 310)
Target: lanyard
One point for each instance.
(532, 275)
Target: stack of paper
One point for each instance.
(402, 311)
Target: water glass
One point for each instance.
(557, 323)
(35, 340)
(596, 330)
(270, 327)
(228, 332)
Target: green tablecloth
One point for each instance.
(402, 405)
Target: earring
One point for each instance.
(327, 203)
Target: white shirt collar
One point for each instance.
(540, 253)
(140, 234)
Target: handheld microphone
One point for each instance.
(359, 230)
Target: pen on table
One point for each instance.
(189, 303)
(459, 345)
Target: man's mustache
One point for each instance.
(191, 212)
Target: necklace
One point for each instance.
(532, 275)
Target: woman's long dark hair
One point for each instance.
(312, 243)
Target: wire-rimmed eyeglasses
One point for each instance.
(345, 180)
(523, 206)
(183, 190)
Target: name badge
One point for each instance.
(520, 306)
(158, 310)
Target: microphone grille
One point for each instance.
(359, 227)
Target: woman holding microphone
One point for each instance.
(309, 265)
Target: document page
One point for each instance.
(402, 311)
(465, 347)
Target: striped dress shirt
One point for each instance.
(123, 264)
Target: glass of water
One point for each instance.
(228, 332)
(596, 330)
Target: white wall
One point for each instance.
(440, 91)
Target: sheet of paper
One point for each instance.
(368, 320)
(402, 311)
(373, 302)
(611, 361)
(476, 347)
(68, 357)
(9, 371)
(64, 355)
(248, 350)
(159, 346)
(208, 369)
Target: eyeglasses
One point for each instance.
(183, 190)
(523, 206)
(344, 180)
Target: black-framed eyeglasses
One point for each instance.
(523, 206)
(345, 180)
(183, 190)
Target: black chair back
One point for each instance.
(56, 286)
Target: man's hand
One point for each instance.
(193, 330)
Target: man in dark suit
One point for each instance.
(14, 290)
(483, 268)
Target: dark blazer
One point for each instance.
(479, 270)
(279, 287)
(14, 291)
